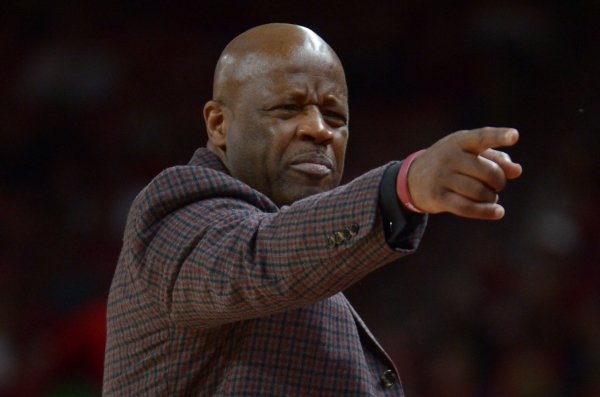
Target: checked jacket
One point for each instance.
(218, 292)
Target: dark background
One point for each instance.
(99, 97)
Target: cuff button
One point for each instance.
(388, 379)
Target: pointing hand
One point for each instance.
(462, 173)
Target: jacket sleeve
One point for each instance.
(215, 257)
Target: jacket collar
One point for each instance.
(205, 158)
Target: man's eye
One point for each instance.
(335, 118)
(288, 107)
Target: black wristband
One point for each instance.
(398, 223)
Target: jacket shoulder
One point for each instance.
(178, 186)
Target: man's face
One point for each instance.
(288, 127)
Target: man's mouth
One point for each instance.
(313, 164)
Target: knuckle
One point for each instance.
(439, 195)
(495, 176)
(482, 136)
(484, 194)
(463, 133)
(503, 156)
(501, 184)
(463, 207)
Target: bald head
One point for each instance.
(278, 119)
(262, 48)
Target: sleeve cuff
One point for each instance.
(398, 224)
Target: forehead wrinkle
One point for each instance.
(306, 93)
(334, 100)
(303, 92)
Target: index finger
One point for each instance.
(481, 139)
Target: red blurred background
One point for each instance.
(99, 97)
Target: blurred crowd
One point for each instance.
(98, 98)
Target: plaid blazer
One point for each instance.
(218, 292)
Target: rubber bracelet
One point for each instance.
(402, 182)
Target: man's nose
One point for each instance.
(313, 127)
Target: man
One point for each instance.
(230, 277)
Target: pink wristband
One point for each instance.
(402, 182)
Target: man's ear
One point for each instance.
(216, 123)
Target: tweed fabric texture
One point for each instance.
(218, 292)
